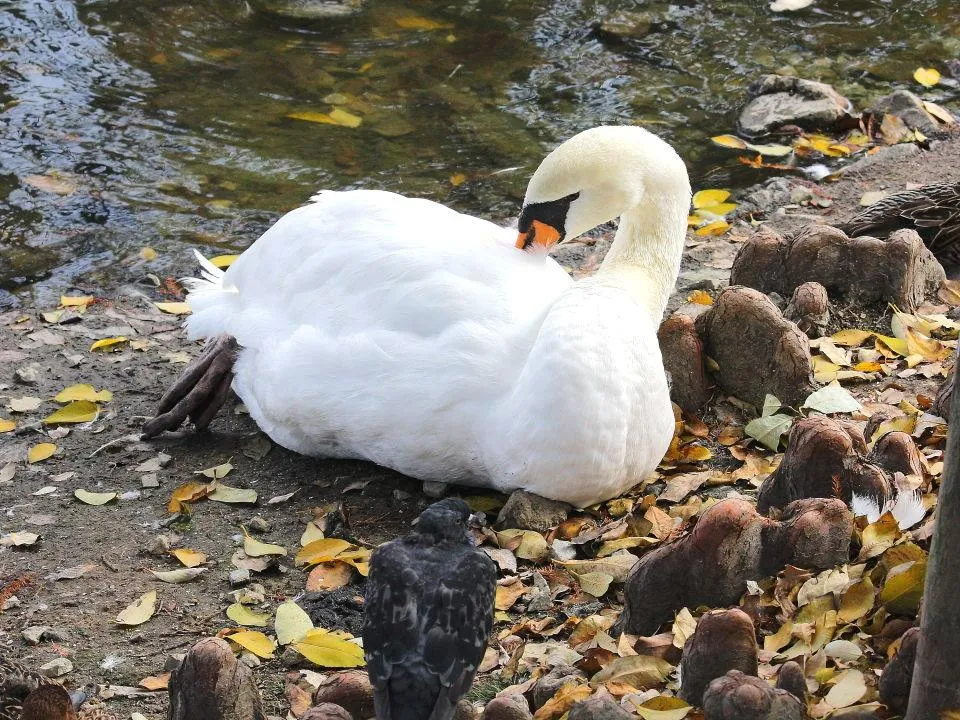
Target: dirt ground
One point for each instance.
(38, 359)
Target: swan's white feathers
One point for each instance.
(907, 508)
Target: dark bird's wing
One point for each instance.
(933, 211)
(458, 625)
(427, 617)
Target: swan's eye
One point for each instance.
(543, 223)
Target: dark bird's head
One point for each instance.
(445, 520)
(49, 702)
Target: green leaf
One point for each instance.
(769, 430)
(832, 398)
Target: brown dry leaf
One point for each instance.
(507, 595)
(187, 493)
(566, 697)
(617, 565)
(19, 539)
(156, 682)
(642, 671)
(329, 576)
(949, 292)
(679, 486)
(180, 575)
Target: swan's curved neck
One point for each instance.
(646, 251)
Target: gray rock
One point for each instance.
(507, 707)
(601, 706)
(526, 511)
(58, 667)
(258, 525)
(34, 634)
(28, 374)
(548, 686)
(778, 100)
(309, 9)
(239, 577)
(434, 489)
(173, 661)
(909, 108)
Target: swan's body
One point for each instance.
(396, 330)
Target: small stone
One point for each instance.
(11, 602)
(58, 667)
(28, 374)
(149, 480)
(239, 577)
(550, 684)
(465, 711)
(290, 658)
(258, 525)
(326, 711)
(33, 635)
(778, 100)
(507, 707)
(434, 489)
(249, 659)
(160, 545)
(909, 108)
(601, 706)
(526, 511)
(563, 550)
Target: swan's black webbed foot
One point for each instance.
(199, 392)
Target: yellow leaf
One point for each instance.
(696, 453)
(337, 116)
(79, 411)
(227, 494)
(849, 687)
(928, 77)
(6, 425)
(641, 671)
(325, 649)
(255, 548)
(851, 338)
(711, 212)
(323, 550)
(903, 588)
(254, 641)
(174, 308)
(507, 595)
(108, 344)
(291, 624)
(458, 179)
(663, 707)
(148, 253)
(565, 698)
(780, 639)
(414, 22)
(878, 536)
(94, 498)
(729, 141)
(857, 601)
(80, 301)
(940, 113)
(718, 227)
(217, 472)
(313, 532)
(709, 197)
(224, 261)
(190, 558)
(40, 452)
(891, 345)
(83, 392)
(141, 610)
(366, 67)
(329, 576)
(242, 615)
(190, 492)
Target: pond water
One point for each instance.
(165, 124)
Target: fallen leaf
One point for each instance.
(223, 261)
(679, 486)
(790, 5)
(254, 548)
(336, 116)
(19, 539)
(109, 344)
(78, 411)
(532, 545)
(156, 682)
(857, 601)
(617, 565)
(329, 576)
(254, 641)
(180, 575)
(848, 688)
(700, 297)
(415, 22)
(76, 300)
(94, 498)
(242, 615)
(663, 707)
(322, 550)
(83, 392)
(939, 112)
(683, 626)
(769, 430)
(7, 425)
(703, 198)
(173, 308)
(717, 227)
(507, 595)
(903, 588)
(71, 573)
(326, 649)
(187, 493)
(641, 671)
(291, 624)
(729, 141)
(190, 558)
(458, 179)
(217, 472)
(24, 404)
(564, 699)
(40, 452)
(277, 499)
(148, 253)
(928, 77)
(141, 610)
(227, 494)
(51, 184)
(832, 398)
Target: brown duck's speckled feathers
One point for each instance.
(933, 211)
(16, 683)
(49, 702)
(27, 695)
(428, 615)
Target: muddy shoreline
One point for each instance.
(39, 358)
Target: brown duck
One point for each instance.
(933, 211)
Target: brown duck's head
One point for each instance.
(49, 702)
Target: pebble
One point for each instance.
(239, 577)
(149, 480)
(434, 489)
(258, 525)
(34, 634)
(249, 659)
(28, 374)
(57, 667)
(507, 707)
(160, 545)
(173, 661)
(527, 511)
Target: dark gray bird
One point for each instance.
(428, 613)
(933, 211)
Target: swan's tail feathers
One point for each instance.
(212, 300)
(907, 508)
(200, 391)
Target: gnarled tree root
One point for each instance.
(210, 684)
(809, 308)
(898, 674)
(730, 544)
(724, 640)
(736, 696)
(682, 354)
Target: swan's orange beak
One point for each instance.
(546, 236)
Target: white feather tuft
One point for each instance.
(211, 277)
(907, 508)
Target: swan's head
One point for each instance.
(594, 177)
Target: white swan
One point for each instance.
(396, 330)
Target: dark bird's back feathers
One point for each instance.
(428, 615)
(933, 211)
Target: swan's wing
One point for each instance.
(372, 261)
